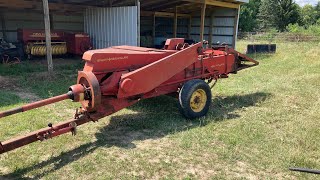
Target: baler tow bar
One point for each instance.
(118, 77)
(77, 92)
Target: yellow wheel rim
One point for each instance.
(198, 100)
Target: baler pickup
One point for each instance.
(117, 77)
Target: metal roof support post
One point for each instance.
(203, 17)
(48, 34)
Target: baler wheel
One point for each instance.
(194, 99)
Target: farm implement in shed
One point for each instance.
(117, 77)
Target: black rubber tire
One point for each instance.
(185, 95)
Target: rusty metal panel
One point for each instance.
(111, 26)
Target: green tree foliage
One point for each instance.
(309, 23)
(248, 16)
(308, 15)
(313, 30)
(267, 14)
(317, 9)
(278, 14)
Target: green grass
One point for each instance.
(262, 121)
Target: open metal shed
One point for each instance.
(212, 20)
(131, 22)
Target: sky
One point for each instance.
(304, 2)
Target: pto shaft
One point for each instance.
(37, 104)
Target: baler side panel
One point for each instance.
(223, 64)
(149, 77)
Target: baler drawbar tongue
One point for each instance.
(76, 93)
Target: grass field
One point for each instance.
(262, 121)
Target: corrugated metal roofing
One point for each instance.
(112, 26)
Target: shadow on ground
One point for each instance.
(152, 119)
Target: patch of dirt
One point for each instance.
(7, 83)
(4, 170)
(10, 84)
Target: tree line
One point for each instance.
(278, 15)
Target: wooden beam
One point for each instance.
(216, 3)
(48, 35)
(147, 13)
(175, 23)
(150, 3)
(166, 14)
(191, 9)
(165, 5)
(235, 29)
(203, 17)
(222, 4)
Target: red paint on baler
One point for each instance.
(26, 35)
(152, 75)
(122, 58)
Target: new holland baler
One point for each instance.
(117, 77)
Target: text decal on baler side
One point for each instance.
(113, 58)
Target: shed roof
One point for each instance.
(184, 6)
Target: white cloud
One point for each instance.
(304, 2)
